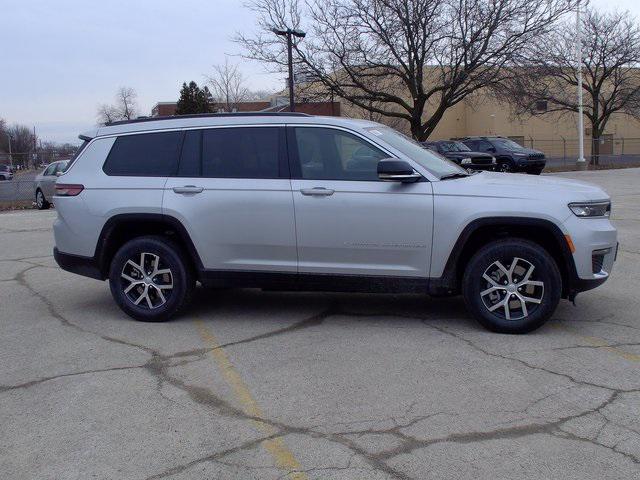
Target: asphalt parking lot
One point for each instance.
(250, 384)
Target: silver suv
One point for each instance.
(290, 201)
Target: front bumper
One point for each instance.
(596, 245)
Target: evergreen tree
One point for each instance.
(193, 99)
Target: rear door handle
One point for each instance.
(188, 189)
(317, 191)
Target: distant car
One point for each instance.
(510, 156)
(5, 172)
(44, 184)
(462, 155)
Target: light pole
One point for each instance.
(289, 33)
(10, 155)
(581, 161)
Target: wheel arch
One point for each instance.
(121, 228)
(481, 231)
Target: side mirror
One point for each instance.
(394, 170)
(59, 173)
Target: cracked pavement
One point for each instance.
(313, 385)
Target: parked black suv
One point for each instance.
(510, 156)
(461, 154)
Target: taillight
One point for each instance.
(68, 190)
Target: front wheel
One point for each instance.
(41, 202)
(151, 279)
(512, 286)
(505, 166)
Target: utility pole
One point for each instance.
(10, 155)
(581, 161)
(289, 33)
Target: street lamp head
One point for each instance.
(298, 33)
(279, 31)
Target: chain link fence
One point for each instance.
(561, 154)
(599, 153)
(16, 193)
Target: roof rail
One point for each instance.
(208, 115)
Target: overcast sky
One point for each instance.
(60, 59)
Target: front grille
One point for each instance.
(536, 156)
(481, 160)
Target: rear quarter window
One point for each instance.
(146, 154)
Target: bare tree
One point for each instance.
(107, 114)
(405, 59)
(611, 79)
(124, 108)
(127, 103)
(228, 86)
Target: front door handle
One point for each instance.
(188, 189)
(317, 191)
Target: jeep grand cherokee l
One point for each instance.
(290, 201)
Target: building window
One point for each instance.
(541, 106)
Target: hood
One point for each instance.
(521, 186)
(468, 155)
(526, 151)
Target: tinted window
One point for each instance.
(190, 157)
(484, 146)
(242, 152)
(50, 170)
(148, 154)
(328, 154)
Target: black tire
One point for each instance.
(41, 201)
(505, 166)
(170, 257)
(536, 171)
(512, 318)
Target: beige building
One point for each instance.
(554, 133)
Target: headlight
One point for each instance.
(493, 160)
(465, 161)
(591, 209)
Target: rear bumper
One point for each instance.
(85, 266)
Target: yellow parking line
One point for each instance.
(275, 446)
(599, 342)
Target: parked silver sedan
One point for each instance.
(44, 184)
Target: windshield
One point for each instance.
(454, 147)
(433, 162)
(508, 144)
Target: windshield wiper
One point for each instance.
(454, 175)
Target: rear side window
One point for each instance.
(245, 152)
(147, 154)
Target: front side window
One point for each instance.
(329, 154)
(49, 170)
(242, 152)
(147, 154)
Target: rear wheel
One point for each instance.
(512, 286)
(151, 279)
(41, 202)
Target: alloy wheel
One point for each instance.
(511, 292)
(148, 283)
(505, 167)
(39, 199)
